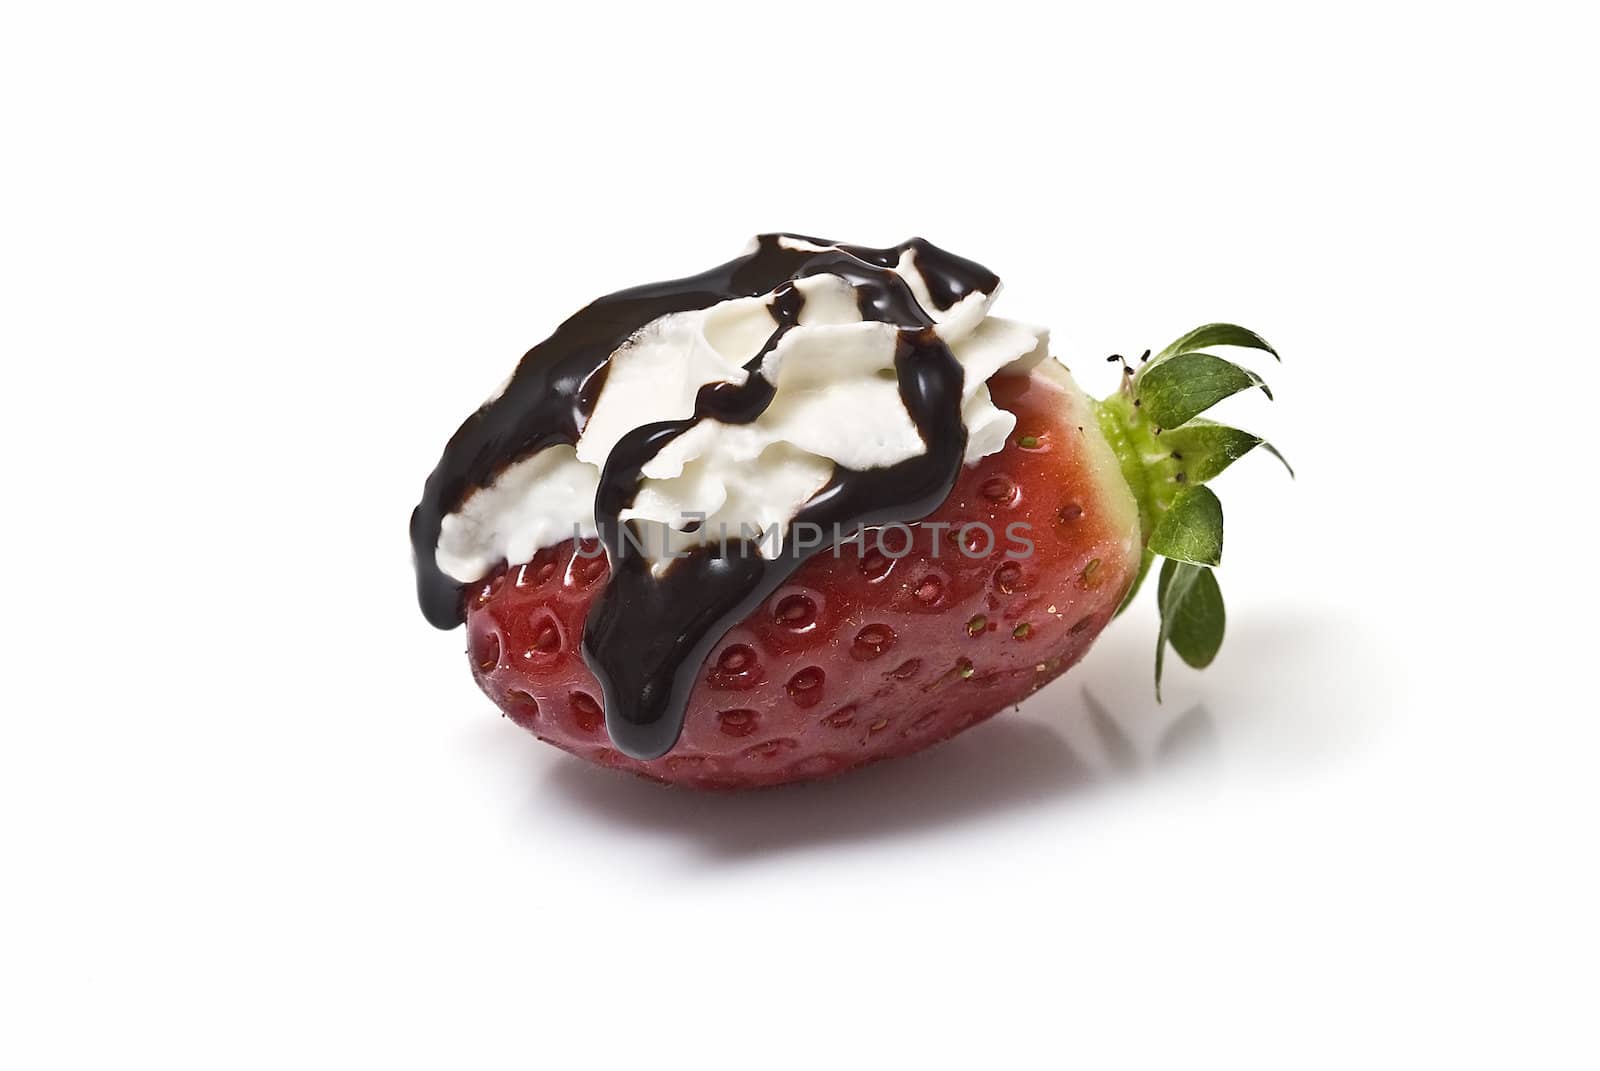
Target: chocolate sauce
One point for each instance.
(647, 636)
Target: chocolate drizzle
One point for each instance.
(647, 635)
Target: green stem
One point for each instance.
(1151, 472)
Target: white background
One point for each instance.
(257, 264)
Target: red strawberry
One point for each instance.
(871, 649)
(861, 656)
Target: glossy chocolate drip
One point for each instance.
(554, 389)
(648, 635)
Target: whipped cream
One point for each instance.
(836, 404)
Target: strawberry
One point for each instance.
(860, 656)
(732, 668)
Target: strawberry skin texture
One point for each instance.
(858, 657)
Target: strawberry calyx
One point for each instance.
(1168, 454)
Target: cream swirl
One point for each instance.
(835, 402)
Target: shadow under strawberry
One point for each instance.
(1004, 766)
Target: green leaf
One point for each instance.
(1198, 620)
(1187, 385)
(1191, 529)
(1217, 335)
(1204, 448)
(1273, 450)
(1177, 581)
